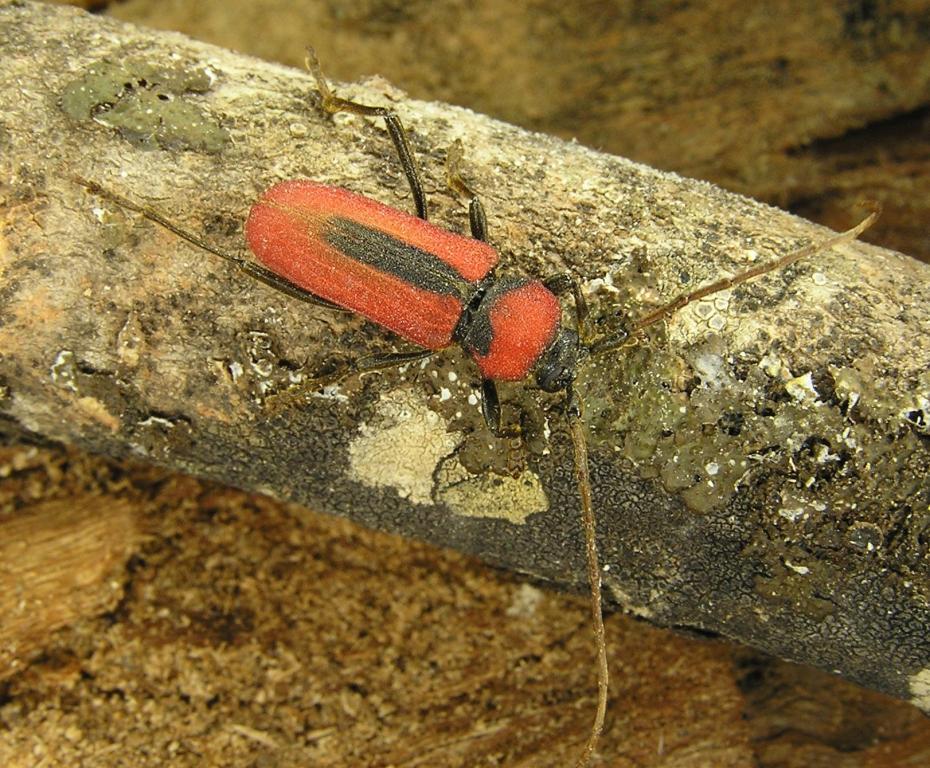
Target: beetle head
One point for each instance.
(555, 369)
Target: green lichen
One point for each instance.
(707, 421)
(149, 106)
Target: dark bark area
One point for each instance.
(759, 464)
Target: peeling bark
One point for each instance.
(759, 464)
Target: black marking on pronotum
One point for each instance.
(476, 331)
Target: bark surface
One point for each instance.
(759, 463)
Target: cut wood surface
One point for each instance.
(60, 561)
(759, 462)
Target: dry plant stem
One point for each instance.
(579, 445)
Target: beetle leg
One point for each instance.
(371, 363)
(249, 267)
(563, 282)
(476, 218)
(285, 286)
(390, 360)
(296, 395)
(331, 104)
(560, 284)
(491, 405)
(491, 410)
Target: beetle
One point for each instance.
(334, 248)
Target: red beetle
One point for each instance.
(428, 285)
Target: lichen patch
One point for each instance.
(400, 447)
(491, 495)
(146, 104)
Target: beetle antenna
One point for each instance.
(125, 202)
(579, 444)
(583, 477)
(269, 278)
(728, 282)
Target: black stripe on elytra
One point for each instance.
(388, 254)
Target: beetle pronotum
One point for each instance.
(334, 248)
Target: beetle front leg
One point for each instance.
(491, 410)
(560, 284)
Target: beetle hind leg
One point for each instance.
(331, 104)
(274, 280)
